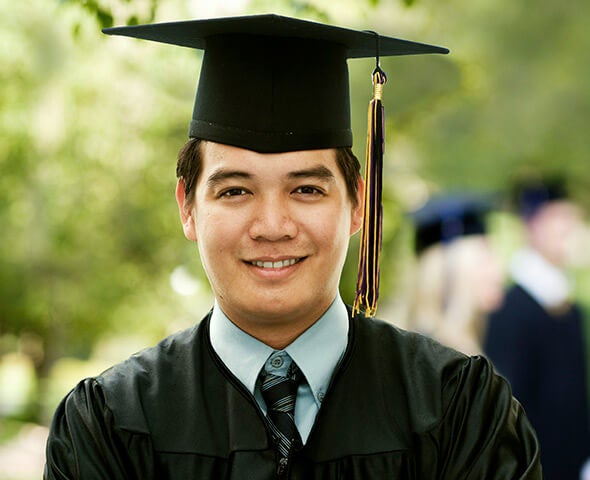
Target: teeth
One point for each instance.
(279, 264)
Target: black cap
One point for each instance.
(533, 192)
(446, 217)
(270, 83)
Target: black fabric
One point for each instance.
(399, 406)
(273, 95)
(542, 355)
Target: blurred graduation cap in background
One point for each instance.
(270, 83)
(444, 218)
(530, 193)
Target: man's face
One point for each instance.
(272, 232)
(553, 229)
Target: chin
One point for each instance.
(270, 307)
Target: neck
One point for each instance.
(276, 335)
(277, 330)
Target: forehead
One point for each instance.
(217, 156)
(562, 209)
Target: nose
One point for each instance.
(272, 220)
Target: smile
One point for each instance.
(279, 264)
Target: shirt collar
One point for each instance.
(546, 283)
(316, 351)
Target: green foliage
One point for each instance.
(522, 101)
(132, 13)
(87, 178)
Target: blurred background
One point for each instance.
(93, 262)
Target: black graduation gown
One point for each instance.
(400, 406)
(542, 355)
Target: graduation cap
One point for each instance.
(273, 84)
(445, 218)
(532, 193)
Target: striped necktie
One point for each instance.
(279, 394)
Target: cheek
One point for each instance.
(214, 234)
(490, 287)
(332, 227)
(556, 234)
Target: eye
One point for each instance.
(233, 192)
(309, 190)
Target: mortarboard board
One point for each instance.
(444, 218)
(272, 84)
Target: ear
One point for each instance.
(186, 212)
(359, 208)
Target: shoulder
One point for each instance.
(518, 310)
(174, 349)
(149, 380)
(518, 298)
(420, 370)
(438, 388)
(106, 420)
(406, 348)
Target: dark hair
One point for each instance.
(189, 166)
(350, 168)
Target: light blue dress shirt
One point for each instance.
(316, 352)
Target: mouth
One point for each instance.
(275, 265)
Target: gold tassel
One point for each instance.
(367, 287)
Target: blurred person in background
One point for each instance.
(458, 276)
(536, 338)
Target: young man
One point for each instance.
(536, 338)
(280, 379)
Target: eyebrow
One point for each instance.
(220, 175)
(318, 172)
